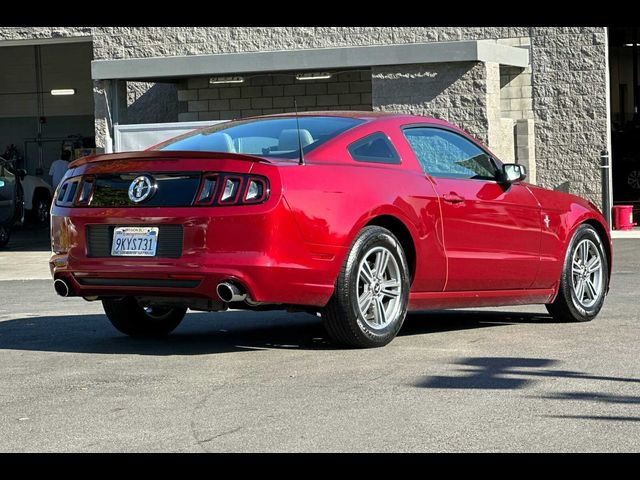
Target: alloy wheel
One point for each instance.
(379, 288)
(586, 273)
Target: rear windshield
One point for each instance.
(267, 137)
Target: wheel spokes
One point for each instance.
(365, 300)
(390, 288)
(594, 264)
(584, 254)
(380, 312)
(366, 274)
(381, 262)
(581, 288)
(586, 269)
(379, 288)
(591, 289)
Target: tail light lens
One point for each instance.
(67, 192)
(86, 190)
(75, 191)
(256, 191)
(232, 189)
(207, 190)
(215, 189)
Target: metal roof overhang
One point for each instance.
(170, 68)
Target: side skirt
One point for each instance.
(482, 298)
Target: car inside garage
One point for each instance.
(46, 106)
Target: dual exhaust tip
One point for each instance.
(62, 287)
(230, 292)
(227, 291)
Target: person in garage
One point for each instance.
(59, 168)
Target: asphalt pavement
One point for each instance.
(483, 380)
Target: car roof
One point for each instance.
(367, 116)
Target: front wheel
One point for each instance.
(584, 280)
(136, 321)
(370, 301)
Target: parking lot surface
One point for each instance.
(502, 379)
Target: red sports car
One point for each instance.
(358, 216)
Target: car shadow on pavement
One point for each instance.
(29, 238)
(509, 373)
(204, 333)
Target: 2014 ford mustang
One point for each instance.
(358, 216)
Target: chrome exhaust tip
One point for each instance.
(230, 292)
(61, 287)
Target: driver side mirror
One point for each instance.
(21, 173)
(512, 172)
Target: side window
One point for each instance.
(446, 154)
(375, 148)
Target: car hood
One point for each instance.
(560, 201)
(33, 182)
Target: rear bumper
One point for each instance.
(258, 246)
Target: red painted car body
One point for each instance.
(468, 242)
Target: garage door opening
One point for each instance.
(624, 51)
(46, 104)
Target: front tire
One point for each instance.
(131, 319)
(370, 300)
(585, 279)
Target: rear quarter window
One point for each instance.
(374, 148)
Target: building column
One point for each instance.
(110, 102)
(466, 94)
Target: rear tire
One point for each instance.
(5, 235)
(585, 279)
(39, 214)
(127, 316)
(370, 300)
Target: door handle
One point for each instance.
(452, 197)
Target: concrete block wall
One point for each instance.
(525, 144)
(31, 33)
(500, 130)
(455, 92)
(267, 94)
(568, 77)
(570, 107)
(149, 102)
(516, 100)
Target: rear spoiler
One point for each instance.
(165, 155)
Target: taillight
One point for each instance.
(231, 189)
(256, 190)
(86, 190)
(75, 191)
(207, 190)
(67, 192)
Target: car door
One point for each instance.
(491, 229)
(7, 194)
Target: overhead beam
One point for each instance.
(308, 59)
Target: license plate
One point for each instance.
(134, 241)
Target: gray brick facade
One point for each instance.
(562, 96)
(266, 94)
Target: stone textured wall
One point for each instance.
(569, 104)
(455, 92)
(138, 42)
(568, 89)
(29, 33)
(266, 94)
(151, 102)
